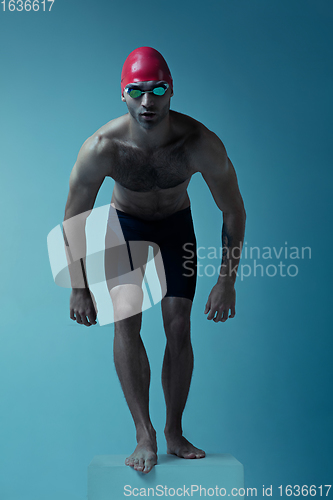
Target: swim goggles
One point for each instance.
(135, 92)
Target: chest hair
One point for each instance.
(141, 171)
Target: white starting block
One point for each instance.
(214, 476)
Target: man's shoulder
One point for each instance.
(195, 128)
(186, 123)
(204, 146)
(93, 161)
(102, 142)
(195, 135)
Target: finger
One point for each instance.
(92, 318)
(219, 315)
(225, 315)
(92, 314)
(84, 320)
(212, 313)
(71, 314)
(207, 307)
(232, 311)
(78, 318)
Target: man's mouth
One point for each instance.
(148, 115)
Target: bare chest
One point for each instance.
(143, 172)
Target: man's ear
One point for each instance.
(123, 98)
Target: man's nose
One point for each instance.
(147, 99)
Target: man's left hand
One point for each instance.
(221, 299)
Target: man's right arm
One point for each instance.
(85, 181)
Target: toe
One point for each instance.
(149, 464)
(141, 465)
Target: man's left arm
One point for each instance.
(220, 176)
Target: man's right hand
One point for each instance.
(83, 307)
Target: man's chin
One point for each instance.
(148, 122)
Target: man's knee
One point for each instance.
(176, 313)
(179, 324)
(177, 331)
(127, 301)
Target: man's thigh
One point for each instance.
(178, 250)
(125, 258)
(127, 246)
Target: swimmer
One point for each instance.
(152, 152)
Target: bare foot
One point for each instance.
(178, 445)
(144, 457)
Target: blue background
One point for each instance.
(258, 73)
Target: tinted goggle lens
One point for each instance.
(135, 93)
(159, 91)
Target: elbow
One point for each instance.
(243, 217)
(235, 218)
(239, 213)
(70, 213)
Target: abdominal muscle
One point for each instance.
(151, 205)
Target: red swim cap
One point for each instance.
(143, 65)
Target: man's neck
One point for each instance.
(152, 138)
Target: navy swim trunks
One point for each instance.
(127, 243)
